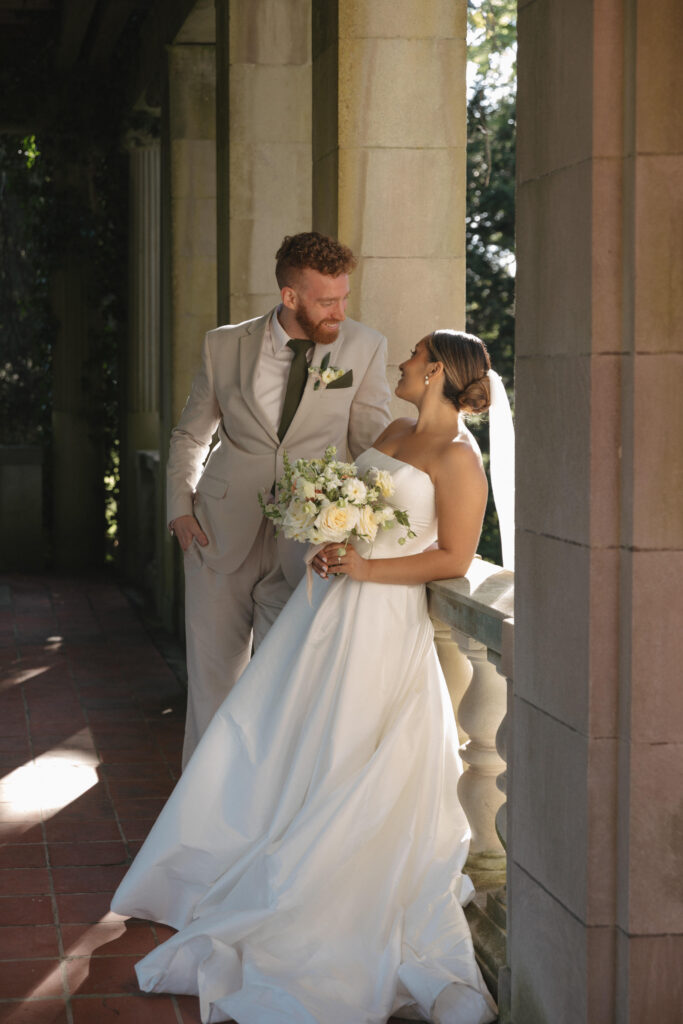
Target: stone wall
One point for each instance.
(389, 138)
(598, 714)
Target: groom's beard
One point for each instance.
(317, 332)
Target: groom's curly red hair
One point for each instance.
(311, 249)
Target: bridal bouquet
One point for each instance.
(323, 500)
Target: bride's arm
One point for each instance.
(461, 490)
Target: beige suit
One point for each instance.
(243, 577)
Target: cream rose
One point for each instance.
(335, 522)
(382, 480)
(296, 521)
(367, 523)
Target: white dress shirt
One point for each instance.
(272, 370)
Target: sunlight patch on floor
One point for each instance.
(23, 675)
(51, 782)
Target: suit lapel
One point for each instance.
(250, 350)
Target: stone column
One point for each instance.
(138, 525)
(596, 913)
(188, 239)
(389, 136)
(264, 145)
(650, 723)
(77, 451)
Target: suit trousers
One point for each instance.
(225, 614)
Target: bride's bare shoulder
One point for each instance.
(397, 428)
(461, 457)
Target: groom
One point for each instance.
(255, 389)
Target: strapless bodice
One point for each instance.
(414, 494)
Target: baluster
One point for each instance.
(481, 711)
(501, 782)
(503, 733)
(455, 666)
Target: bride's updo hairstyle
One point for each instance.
(466, 364)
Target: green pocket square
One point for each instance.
(341, 382)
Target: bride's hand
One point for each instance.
(342, 560)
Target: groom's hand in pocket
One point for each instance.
(187, 529)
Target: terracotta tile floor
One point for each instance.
(91, 728)
(90, 738)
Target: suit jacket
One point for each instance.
(223, 492)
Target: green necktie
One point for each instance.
(298, 372)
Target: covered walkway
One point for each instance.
(92, 721)
(90, 742)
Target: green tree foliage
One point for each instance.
(492, 40)
(26, 321)
(64, 201)
(490, 226)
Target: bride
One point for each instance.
(311, 854)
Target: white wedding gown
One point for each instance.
(311, 854)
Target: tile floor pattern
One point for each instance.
(91, 721)
(90, 736)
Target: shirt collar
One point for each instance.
(278, 333)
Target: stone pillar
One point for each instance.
(650, 767)
(140, 422)
(596, 911)
(188, 241)
(264, 145)
(389, 136)
(78, 461)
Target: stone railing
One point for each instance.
(22, 540)
(474, 634)
(147, 512)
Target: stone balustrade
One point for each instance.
(473, 633)
(149, 513)
(22, 540)
(473, 627)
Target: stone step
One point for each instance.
(496, 907)
(489, 942)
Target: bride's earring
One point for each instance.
(426, 379)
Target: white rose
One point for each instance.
(384, 515)
(335, 522)
(367, 523)
(297, 521)
(382, 479)
(355, 490)
(328, 376)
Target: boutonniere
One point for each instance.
(324, 375)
